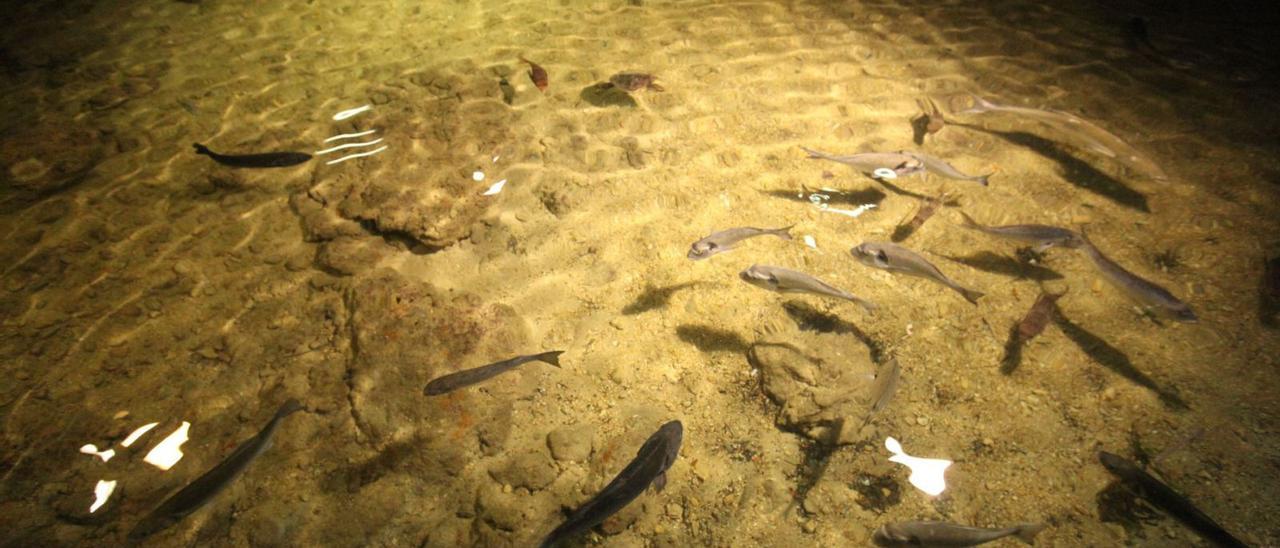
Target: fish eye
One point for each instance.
(882, 256)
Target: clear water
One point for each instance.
(145, 283)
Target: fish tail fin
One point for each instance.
(983, 180)
(970, 295)
(522, 59)
(968, 221)
(289, 407)
(201, 149)
(552, 357)
(814, 154)
(980, 105)
(869, 306)
(1027, 532)
(784, 232)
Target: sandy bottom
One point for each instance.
(144, 283)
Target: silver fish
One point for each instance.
(201, 490)
(895, 258)
(867, 162)
(1150, 295)
(724, 240)
(782, 280)
(468, 377)
(883, 388)
(939, 166)
(1090, 134)
(1042, 236)
(939, 534)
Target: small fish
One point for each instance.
(634, 81)
(468, 377)
(265, 159)
(895, 258)
(782, 280)
(926, 210)
(1038, 317)
(200, 491)
(649, 467)
(537, 74)
(939, 534)
(867, 162)
(883, 388)
(725, 240)
(1041, 236)
(1165, 498)
(1090, 134)
(1150, 295)
(939, 166)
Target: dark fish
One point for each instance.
(1041, 236)
(926, 210)
(895, 258)
(634, 81)
(783, 280)
(939, 534)
(202, 490)
(1038, 317)
(468, 377)
(265, 159)
(724, 240)
(649, 467)
(1165, 498)
(537, 74)
(1148, 294)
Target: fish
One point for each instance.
(649, 467)
(1041, 236)
(1150, 295)
(926, 210)
(1165, 498)
(722, 241)
(537, 74)
(939, 166)
(264, 159)
(1038, 317)
(201, 490)
(1090, 134)
(468, 377)
(939, 534)
(895, 258)
(782, 280)
(867, 162)
(883, 387)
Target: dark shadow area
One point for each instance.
(808, 318)
(602, 95)
(710, 339)
(919, 128)
(1269, 294)
(655, 297)
(352, 478)
(876, 493)
(817, 455)
(897, 189)
(1012, 352)
(855, 198)
(1112, 358)
(902, 232)
(1118, 504)
(987, 261)
(1074, 170)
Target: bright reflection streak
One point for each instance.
(101, 492)
(92, 449)
(926, 474)
(350, 112)
(169, 451)
(138, 434)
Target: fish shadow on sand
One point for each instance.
(817, 456)
(1114, 359)
(1269, 294)
(1012, 352)
(655, 297)
(601, 95)
(1074, 170)
(352, 478)
(987, 261)
(855, 198)
(1117, 503)
(808, 318)
(897, 189)
(711, 339)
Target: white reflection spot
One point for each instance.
(885, 173)
(477, 176)
(169, 451)
(496, 188)
(101, 492)
(92, 449)
(138, 434)
(809, 241)
(926, 474)
(350, 112)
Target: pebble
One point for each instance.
(922, 420)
